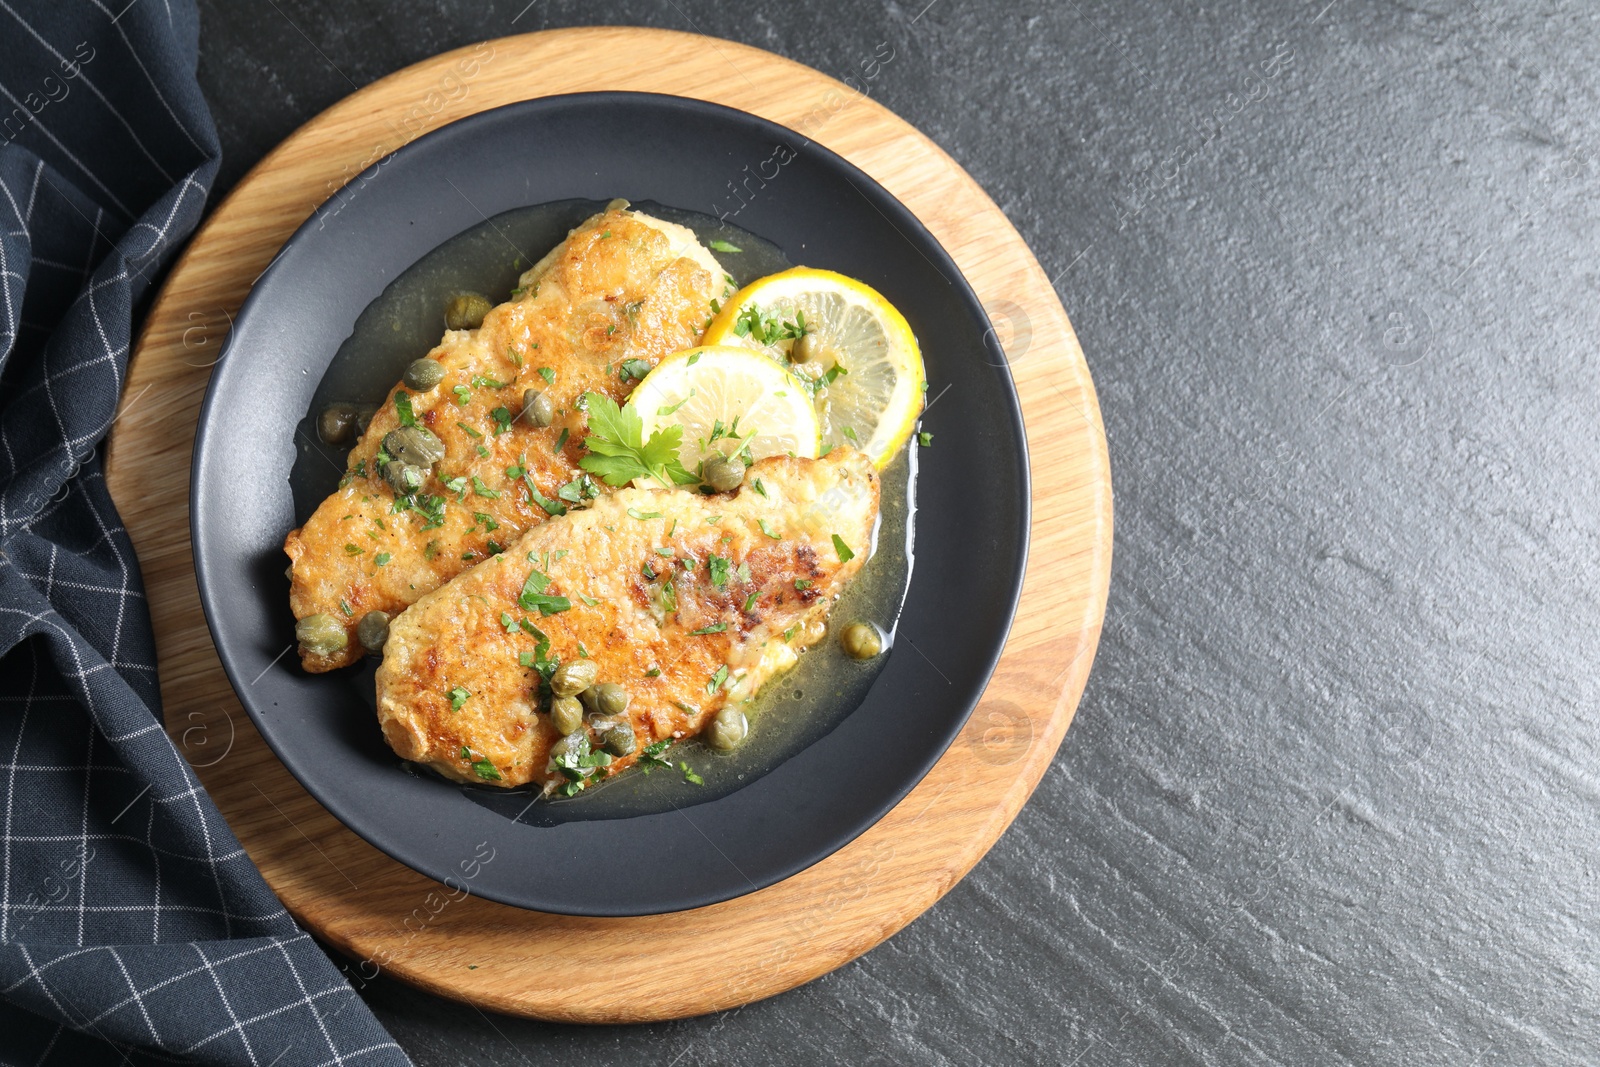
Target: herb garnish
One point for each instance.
(719, 571)
(458, 697)
(534, 596)
(845, 555)
(402, 407)
(714, 628)
(617, 449)
(689, 775)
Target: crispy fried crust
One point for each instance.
(457, 639)
(621, 287)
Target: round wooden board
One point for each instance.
(658, 967)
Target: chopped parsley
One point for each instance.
(561, 441)
(548, 374)
(345, 607)
(402, 407)
(654, 755)
(502, 419)
(634, 369)
(534, 597)
(670, 408)
(653, 672)
(719, 245)
(759, 487)
(382, 558)
(551, 507)
(749, 602)
(487, 522)
(845, 555)
(482, 381)
(925, 439)
(458, 697)
(766, 329)
(618, 451)
(635, 513)
(482, 767)
(767, 529)
(463, 395)
(352, 550)
(689, 775)
(850, 432)
(479, 489)
(720, 569)
(718, 679)
(714, 628)
(802, 584)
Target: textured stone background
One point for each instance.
(1331, 795)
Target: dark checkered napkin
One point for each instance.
(133, 928)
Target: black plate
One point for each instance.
(823, 212)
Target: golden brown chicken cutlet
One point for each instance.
(687, 603)
(474, 470)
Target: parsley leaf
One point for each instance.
(548, 374)
(458, 697)
(845, 555)
(402, 407)
(618, 452)
(719, 245)
(534, 597)
(717, 679)
(654, 755)
(689, 775)
(720, 569)
(714, 628)
(925, 439)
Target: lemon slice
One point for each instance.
(872, 403)
(727, 399)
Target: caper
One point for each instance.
(466, 311)
(424, 374)
(537, 409)
(618, 204)
(723, 473)
(321, 635)
(727, 729)
(364, 413)
(590, 698)
(569, 745)
(566, 715)
(610, 699)
(337, 423)
(570, 679)
(619, 740)
(860, 640)
(403, 478)
(373, 630)
(815, 355)
(415, 445)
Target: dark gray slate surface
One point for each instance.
(1331, 796)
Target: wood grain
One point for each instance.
(528, 963)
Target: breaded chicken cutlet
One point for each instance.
(683, 603)
(445, 476)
